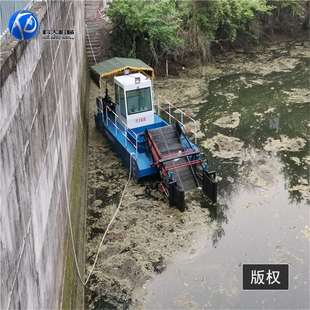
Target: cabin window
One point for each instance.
(116, 94)
(122, 102)
(139, 100)
(120, 99)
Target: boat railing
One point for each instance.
(174, 113)
(120, 126)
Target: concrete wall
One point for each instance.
(42, 85)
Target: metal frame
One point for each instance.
(118, 121)
(182, 114)
(159, 159)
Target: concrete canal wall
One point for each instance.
(42, 90)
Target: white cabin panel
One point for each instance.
(140, 119)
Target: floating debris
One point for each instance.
(296, 160)
(260, 115)
(97, 203)
(230, 96)
(264, 66)
(302, 181)
(257, 180)
(306, 232)
(191, 96)
(284, 144)
(258, 81)
(248, 82)
(300, 51)
(298, 95)
(244, 81)
(303, 189)
(230, 121)
(218, 178)
(306, 160)
(185, 301)
(151, 229)
(230, 179)
(268, 111)
(224, 146)
(258, 169)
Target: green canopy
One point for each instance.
(116, 66)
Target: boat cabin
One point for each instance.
(147, 143)
(134, 99)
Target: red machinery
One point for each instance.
(180, 164)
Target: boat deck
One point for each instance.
(144, 161)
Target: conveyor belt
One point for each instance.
(185, 178)
(167, 141)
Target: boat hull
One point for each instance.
(141, 163)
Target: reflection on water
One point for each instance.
(218, 215)
(263, 212)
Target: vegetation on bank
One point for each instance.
(157, 30)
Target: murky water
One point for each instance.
(255, 135)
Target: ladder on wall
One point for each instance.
(95, 22)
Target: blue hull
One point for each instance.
(142, 162)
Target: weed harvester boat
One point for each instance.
(150, 142)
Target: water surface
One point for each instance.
(263, 212)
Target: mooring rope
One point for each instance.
(84, 283)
